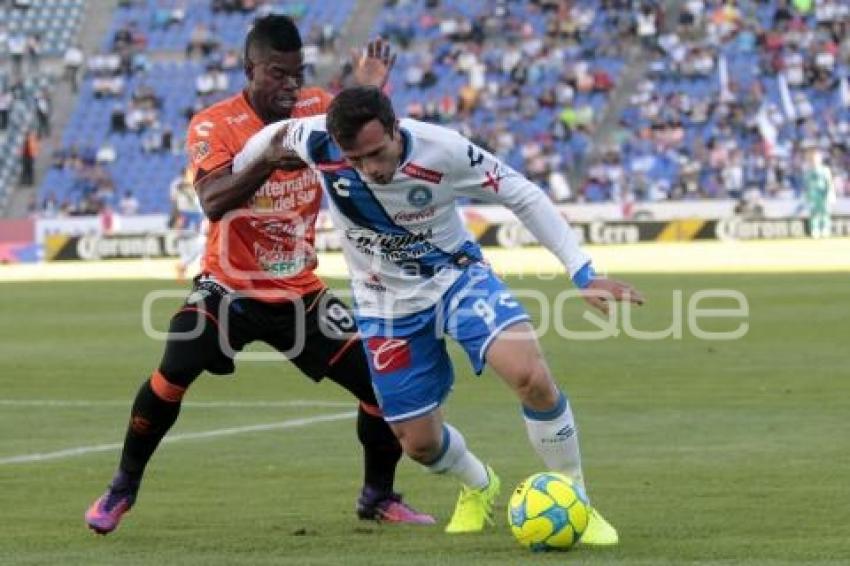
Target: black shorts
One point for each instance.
(317, 333)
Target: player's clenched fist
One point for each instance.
(279, 157)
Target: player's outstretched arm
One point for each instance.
(481, 175)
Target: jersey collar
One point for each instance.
(407, 146)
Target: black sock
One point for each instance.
(150, 419)
(381, 449)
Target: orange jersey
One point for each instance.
(265, 247)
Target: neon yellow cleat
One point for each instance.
(599, 532)
(474, 507)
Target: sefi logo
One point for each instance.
(388, 354)
(420, 197)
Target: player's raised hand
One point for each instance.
(280, 157)
(601, 291)
(372, 67)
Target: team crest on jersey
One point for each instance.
(420, 197)
(199, 151)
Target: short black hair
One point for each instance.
(355, 107)
(276, 32)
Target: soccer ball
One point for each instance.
(547, 512)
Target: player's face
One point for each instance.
(376, 153)
(275, 78)
(813, 157)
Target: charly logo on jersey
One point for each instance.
(203, 128)
(420, 196)
(476, 157)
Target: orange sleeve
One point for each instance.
(208, 143)
(325, 101)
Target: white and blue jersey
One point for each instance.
(416, 271)
(405, 242)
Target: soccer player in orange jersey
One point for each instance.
(257, 280)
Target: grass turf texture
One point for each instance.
(697, 451)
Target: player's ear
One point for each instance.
(249, 69)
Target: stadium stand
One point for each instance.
(732, 95)
(527, 80)
(29, 31)
(530, 80)
(20, 120)
(155, 70)
(46, 26)
(173, 25)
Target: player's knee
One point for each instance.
(422, 449)
(532, 382)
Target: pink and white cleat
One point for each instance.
(377, 506)
(105, 513)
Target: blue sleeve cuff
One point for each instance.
(584, 276)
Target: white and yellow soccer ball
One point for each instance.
(547, 512)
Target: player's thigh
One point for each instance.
(349, 369)
(318, 335)
(202, 336)
(515, 356)
(410, 367)
(479, 312)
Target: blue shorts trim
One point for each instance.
(495, 334)
(413, 414)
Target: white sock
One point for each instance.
(455, 460)
(555, 438)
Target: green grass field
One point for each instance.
(710, 452)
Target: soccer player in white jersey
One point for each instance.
(417, 275)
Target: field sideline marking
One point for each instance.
(202, 404)
(82, 450)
